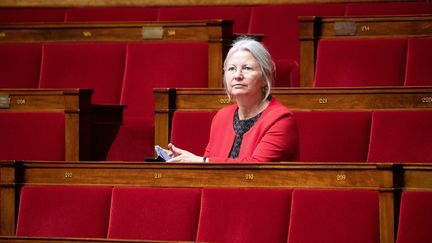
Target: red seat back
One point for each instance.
(387, 8)
(279, 25)
(191, 130)
(333, 136)
(20, 65)
(401, 136)
(111, 14)
(418, 66)
(414, 217)
(244, 215)
(64, 211)
(98, 66)
(155, 213)
(336, 216)
(360, 62)
(32, 136)
(29, 14)
(239, 14)
(154, 65)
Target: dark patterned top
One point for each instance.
(240, 128)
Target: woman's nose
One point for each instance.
(238, 74)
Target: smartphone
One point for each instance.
(161, 153)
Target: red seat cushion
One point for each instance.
(418, 71)
(155, 213)
(336, 216)
(64, 211)
(20, 65)
(414, 217)
(191, 130)
(333, 136)
(360, 62)
(32, 136)
(98, 66)
(244, 215)
(401, 136)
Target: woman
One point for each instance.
(258, 128)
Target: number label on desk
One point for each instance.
(249, 176)
(21, 101)
(341, 177)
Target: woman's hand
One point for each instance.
(180, 155)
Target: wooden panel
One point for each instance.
(417, 177)
(312, 29)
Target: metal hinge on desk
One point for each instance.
(4, 101)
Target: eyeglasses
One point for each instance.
(245, 69)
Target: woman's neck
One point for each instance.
(248, 110)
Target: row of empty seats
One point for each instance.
(204, 215)
(373, 62)
(277, 22)
(119, 73)
(216, 214)
(342, 62)
(365, 51)
(385, 179)
(330, 136)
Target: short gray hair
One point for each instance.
(261, 54)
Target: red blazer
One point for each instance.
(272, 138)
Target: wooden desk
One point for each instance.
(313, 29)
(417, 177)
(80, 117)
(168, 101)
(276, 175)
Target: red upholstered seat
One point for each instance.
(64, 211)
(32, 136)
(279, 25)
(20, 65)
(387, 8)
(335, 216)
(418, 66)
(401, 136)
(191, 130)
(28, 14)
(239, 14)
(414, 217)
(111, 14)
(155, 213)
(333, 136)
(244, 215)
(99, 66)
(150, 65)
(360, 62)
